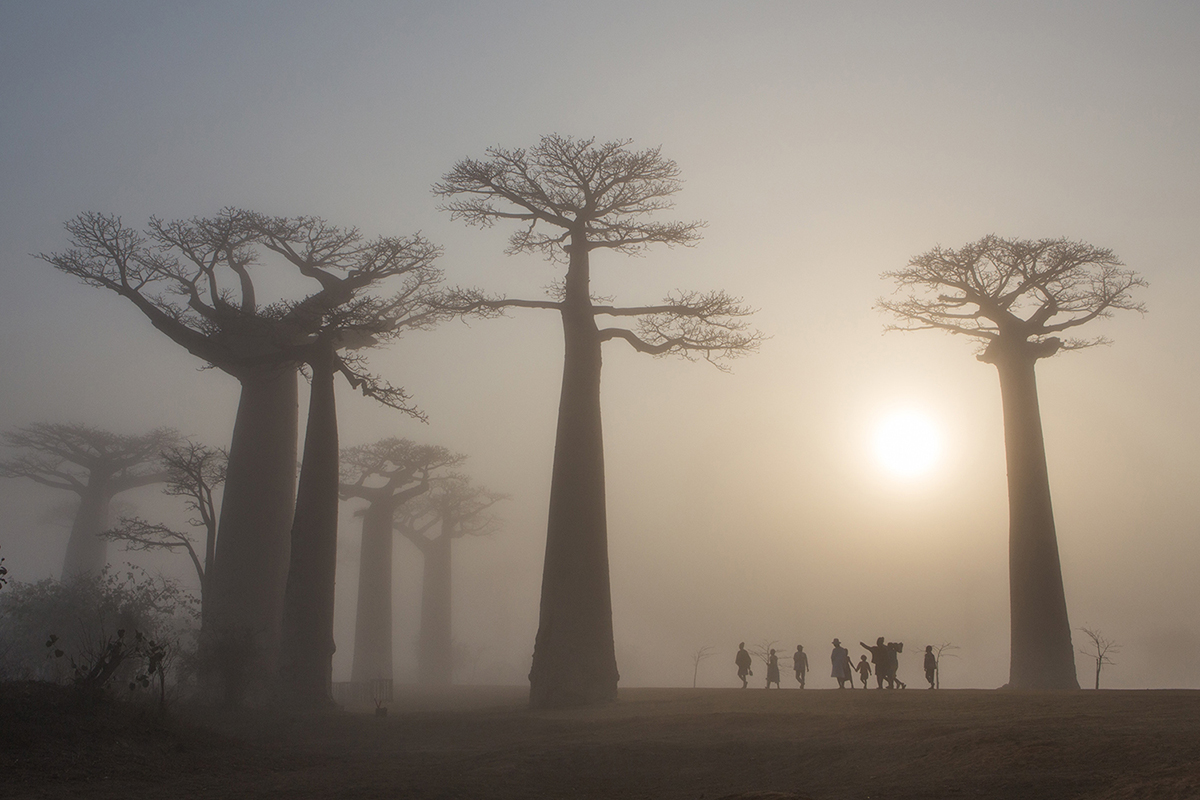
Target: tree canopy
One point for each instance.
(1013, 288)
(68, 456)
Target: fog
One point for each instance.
(823, 144)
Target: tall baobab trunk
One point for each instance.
(435, 656)
(574, 660)
(244, 592)
(373, 619)
(1042, 654)
(306, 653)
(87, 553)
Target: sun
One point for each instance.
(907, 443)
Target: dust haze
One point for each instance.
(822, 145)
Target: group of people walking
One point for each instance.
(885, 660)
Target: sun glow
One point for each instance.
(907, 443)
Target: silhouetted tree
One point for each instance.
(453, 509)
(698, 656)
(940, 650)
(93, 464)
(1015, 296)
(1101, 646)
(345, 321)
(193, 472)
(572, 197)
(386, 474)
(193, 280)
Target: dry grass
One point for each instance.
(654, 743)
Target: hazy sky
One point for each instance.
(822, 142)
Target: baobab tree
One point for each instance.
(347, 318)
(194, 472)
(453, 509)
(194, 281)
(572, 197)
(96, 466)
(1014, 297)
(386, 474)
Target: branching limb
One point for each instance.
(710, 326)
(353, 368)
(473, 302)
(136, 533)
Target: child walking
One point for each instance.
(864, 670)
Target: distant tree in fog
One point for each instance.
(1014, 297)
(1100, 647)
(454, 508)
(93, 464)
(387, 474)
(571, 197)
(193, 472)
(698, 656)
(940, 650)
(195, 281)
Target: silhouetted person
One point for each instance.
(773, 670)
(893, 653)
(931, 665)
(864, 670)
(800, 664)
(742, 659)
(840, 659)
(879, 657)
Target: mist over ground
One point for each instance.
(822, 144)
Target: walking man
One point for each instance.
(742, 659)
(880, 658)
(800, 664)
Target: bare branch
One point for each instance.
(689, 324)
(136, 533)
(473, 302)
(353, 368)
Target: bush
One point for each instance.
(57, 631)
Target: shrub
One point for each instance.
(86, 620)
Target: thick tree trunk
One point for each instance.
(1042, 654)
(435, 654)
(87, 553)
(373, 620)
(306, 653)
(245, 584)
(574, 661)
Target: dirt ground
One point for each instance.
(475, 742)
